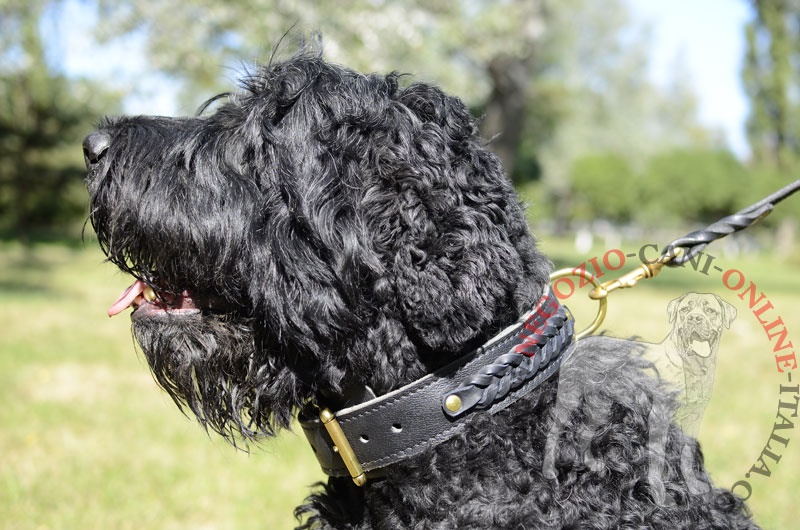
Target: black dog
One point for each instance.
(326, 237)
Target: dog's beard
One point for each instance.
(211, 364)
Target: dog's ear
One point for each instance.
(728, 312)
(448, 220)
(388, 230)
(672, 308)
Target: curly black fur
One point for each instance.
(335, 228)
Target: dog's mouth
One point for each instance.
(701, 342)
(148, 301)
(701, 333)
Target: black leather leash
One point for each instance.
(684, 249)
(695, 242)
(361, 440)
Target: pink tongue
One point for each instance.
(126, 298)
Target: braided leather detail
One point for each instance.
(541, 342)
(698, 240)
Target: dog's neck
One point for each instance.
(359, 387)
(369, 434)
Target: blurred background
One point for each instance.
(622, 123)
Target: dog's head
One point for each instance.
(699, 318)
(322, 228)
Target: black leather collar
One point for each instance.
(360, 440)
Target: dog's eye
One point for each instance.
(711, 311)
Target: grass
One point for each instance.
(86, 438)
(88, 441)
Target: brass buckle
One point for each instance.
(342, 446)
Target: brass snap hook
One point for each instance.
(602, 308)
(642, 272)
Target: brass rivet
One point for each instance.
(453, 403)
(149, 294)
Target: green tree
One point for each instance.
(553, 80)
(694, 185)
(611, 106)
(488, 52)
(43, 117)
(604, 187)
(770, 79)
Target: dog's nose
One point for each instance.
(95, 146)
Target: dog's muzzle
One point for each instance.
(361, 440)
